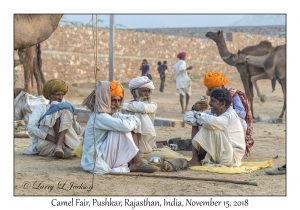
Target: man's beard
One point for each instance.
(142, 98)
(115, 109)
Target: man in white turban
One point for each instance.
(141, 88)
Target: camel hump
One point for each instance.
(279, 47)
(264, 47)
(265, 43)
(269, 62)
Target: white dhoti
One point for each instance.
(215, 143)
(46, 147)
(119, 150)
(147, 143)
(184, 91)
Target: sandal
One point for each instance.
(58, 152)
(144, 168)
(67, 153)
(277, 171)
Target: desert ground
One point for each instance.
(36, 175)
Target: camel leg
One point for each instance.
(37, 73)
(248, 87)
(251, 96)
(259, 77)
(283, 86)
(38, 79)
(39, 62)
(23, 55)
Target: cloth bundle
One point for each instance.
(174, 165)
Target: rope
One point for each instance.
(95, 38)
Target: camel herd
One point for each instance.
(265, 61)
(261, 61)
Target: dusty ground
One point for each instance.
(35, 175)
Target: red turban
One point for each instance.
(214, 79)
(181, 54)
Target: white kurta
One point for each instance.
(183, 82)
(222, 137)
(110, 137)
(39, 132)
(145, 112)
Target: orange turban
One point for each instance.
(116, 89)
(214, 79)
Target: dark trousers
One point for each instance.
(162, 84)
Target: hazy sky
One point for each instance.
(159, 21)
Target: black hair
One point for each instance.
(159, 63)
(165, 62)
(221, 95)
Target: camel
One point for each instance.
(30, 57)
(29, 32)
(245, 71)
(274, 63)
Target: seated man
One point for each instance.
(240, 104)
(52, 126)
(141, 106)
(220, 139)
(109, 142)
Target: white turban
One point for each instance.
(139, 82)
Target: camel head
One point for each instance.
(239, 57)
(214, 36)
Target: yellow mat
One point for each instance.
(246, 167)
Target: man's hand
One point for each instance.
(200, 106)
(51, 138)
(190, 67)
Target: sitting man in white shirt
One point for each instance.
(220, 139)
(52, 126)
(110, 143)
(141, 106)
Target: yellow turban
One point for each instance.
(214, 79)
(54, 85)
(116, 89)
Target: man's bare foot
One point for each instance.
(182, 112)
(194, 163)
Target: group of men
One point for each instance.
(115, 135)
(118, 131)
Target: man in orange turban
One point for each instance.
(111, 134)
(116, 89)
(216, 80)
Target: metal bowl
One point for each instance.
(174, 147)
(154, 159)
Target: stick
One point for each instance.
(21, 135)
(187, 178)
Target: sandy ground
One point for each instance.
(36, 175)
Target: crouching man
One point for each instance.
(141, 106)
(110, 140)
(52, 126)
(219, 138)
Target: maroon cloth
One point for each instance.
(181, 54)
